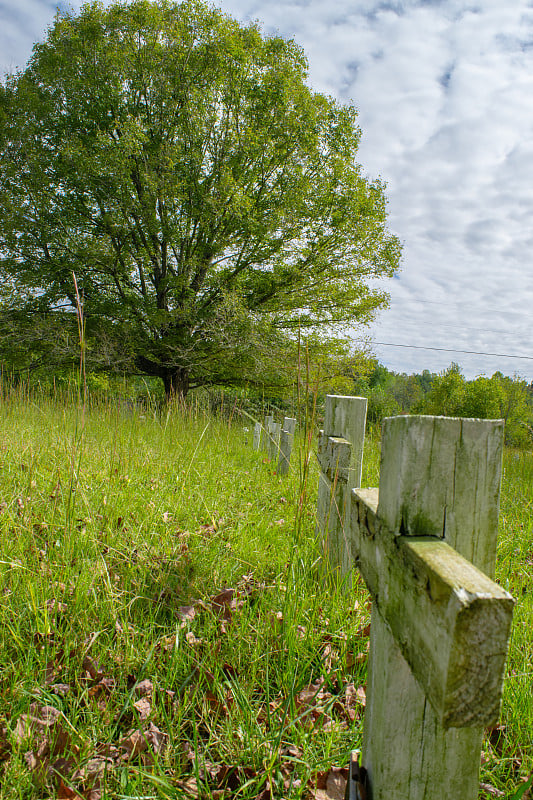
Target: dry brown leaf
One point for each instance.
(92, 769)
(60, 689)
(190, 787)
(355, 658)
(187, 612)
(138, 741)
(65, 792)
(30, 760)
(133, 744)
(360, 693)
(40, 718)
(331, 785)
(492, 790)
(92, 670)
(224, 602)
(292, 751)
(363, 631)
(311, 695)
(93, 794)
(143, 707)
(144, 688)
(109, 751)
(102, 688)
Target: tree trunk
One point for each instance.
(176, 383)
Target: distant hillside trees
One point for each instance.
(209, 203)
(450, 394)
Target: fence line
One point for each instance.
(277, 439)
(425, 543)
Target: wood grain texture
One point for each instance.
(258, 429)
(406, 751)
(273, 436)
(345, 417)
(285, 449)
(289, 425)
(450, 621)
(334, 456)
(344, 421)
(439, 477)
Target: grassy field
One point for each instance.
(166, 630)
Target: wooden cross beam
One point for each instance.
(440, 626)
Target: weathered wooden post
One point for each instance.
(440, 626)
(258, 430)
(273, 435)
(265, 437)
(286, 440)
(340, 452)
(289, 425)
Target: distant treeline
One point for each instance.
(450, 394)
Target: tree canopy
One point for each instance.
(207, 200)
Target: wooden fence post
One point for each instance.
(440, 626)
(273, 435)
(258, 431)
(289, 425)
(341, 446)
(265, 437)
(286, 440)
(439, 477)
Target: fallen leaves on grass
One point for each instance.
(143, 708)
(138, 741)
(492, 790)
(44, 727)
(221, 780)
(187, 613)
(331, 784)
(44, 724)
(92, 670)
(317, 705)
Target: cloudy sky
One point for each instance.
(444, 90)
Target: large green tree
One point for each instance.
(206, 199)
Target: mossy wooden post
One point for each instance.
(289, 425)
(266, 426)
(340, 454)
(439, 627)
(258, 430)
(273, 434)
(285, 445)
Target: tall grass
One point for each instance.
(104, 539)
(118, 550)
